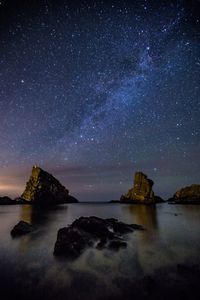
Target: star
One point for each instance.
(98, 91)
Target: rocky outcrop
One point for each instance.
(141, 192)
(5, 200)
(91, 232)
(187, 195)
(21, 228)
(42, 188)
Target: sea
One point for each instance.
(163, 259)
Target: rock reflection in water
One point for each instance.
(40, 216)
(144, 243)
(145, 215)
(44, 219)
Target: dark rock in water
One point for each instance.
(21, 228)
(6, 200)
(91, 232)
(92, 225)
(42, 188)
(121, 227)
(141, 192)
(71, 242)
(117, 244)
(136, 227)
(187, 195)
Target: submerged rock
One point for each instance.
(91, 232)
(42, 188)
(21, 228)
(141, 192)
(187, 195)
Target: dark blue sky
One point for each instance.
(93, 91)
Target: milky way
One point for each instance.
(93, 91)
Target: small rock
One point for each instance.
(21, 228)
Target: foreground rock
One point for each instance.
(42, 188)
(142, 192)
(91, 232)
(187, 195)
(21, 228)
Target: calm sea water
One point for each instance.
(28, 267)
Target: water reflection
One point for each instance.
(146, 216)
(172, 236)
(43, 219)
(40, 216)
(143, 242)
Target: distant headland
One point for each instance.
(43, 188)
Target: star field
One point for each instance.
(93, 91)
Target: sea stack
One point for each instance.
(42, 188)
(141, 192)
(187, 195)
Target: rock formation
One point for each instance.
(142, 190)
(187, 195)
(91, 232)
(21, 228)
(42, 188)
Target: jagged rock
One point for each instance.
(141, 192)
(91, 232)
(42, 188)
(187, 195)
(122, 228)
(21, 228)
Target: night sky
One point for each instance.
(93, 91)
